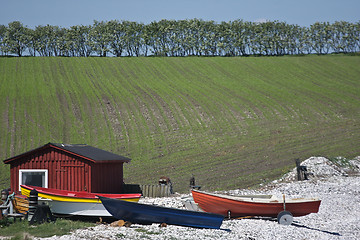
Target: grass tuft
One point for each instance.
(23, 230)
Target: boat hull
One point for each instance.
(253, 207)
(148, 214)
(88, 209)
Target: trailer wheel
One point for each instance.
(285, 218)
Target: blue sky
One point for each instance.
(66, 13)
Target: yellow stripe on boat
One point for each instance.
(26, 192)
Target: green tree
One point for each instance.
(60, 47)
(3, 46)
(77, 41)
(133, 38)
(101, 37)
(49, 40)
(16, 38)
(33, 39)
(320, 37)
(240, 37)
(353, 38)
(117, 43)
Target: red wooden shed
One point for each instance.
(73, 167)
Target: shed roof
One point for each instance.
(82, 150)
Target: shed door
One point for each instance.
(71, 177)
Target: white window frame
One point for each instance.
(33, 170)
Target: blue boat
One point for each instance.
(148, 214)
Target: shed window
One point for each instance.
(33, 177)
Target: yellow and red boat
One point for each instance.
(74, 203)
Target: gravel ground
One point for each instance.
(338, 217)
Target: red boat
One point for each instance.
(256, 205)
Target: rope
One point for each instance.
(9, 198)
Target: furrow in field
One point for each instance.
(58, 112)
(155, 95)
(95, 103)
(160, 117)
(184, 107)
(7, 90)
(203, 93)
(132, 106)
(153, 123)
(108, 109)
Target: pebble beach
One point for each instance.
(338, 218)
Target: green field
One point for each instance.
(232, 122)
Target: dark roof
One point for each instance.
(91, 152)
(83, 150)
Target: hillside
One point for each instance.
(232, 122)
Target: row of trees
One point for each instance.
(179, 38)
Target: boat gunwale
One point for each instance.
(92, 198)
(261, 200)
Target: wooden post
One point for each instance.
(297, 162)
(284, 205)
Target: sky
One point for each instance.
(67, 13)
